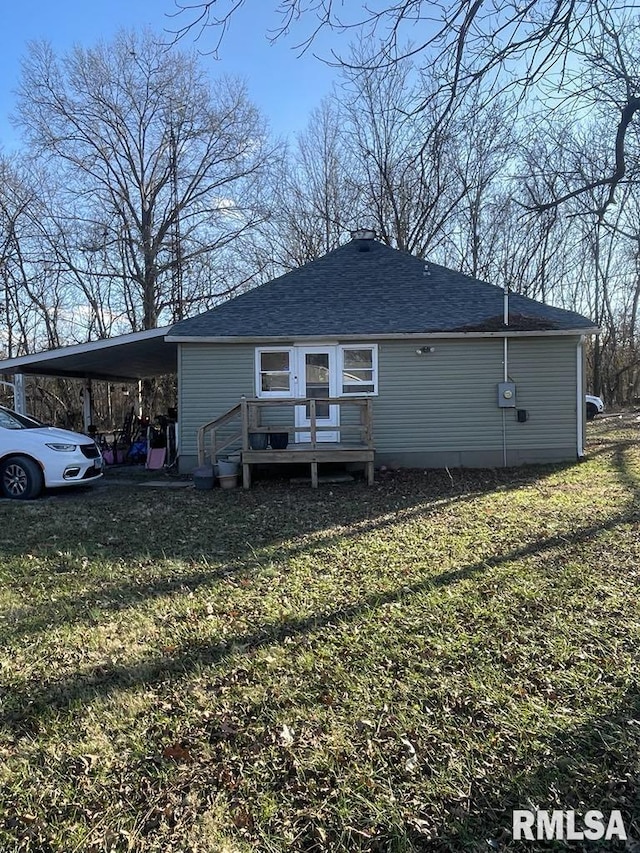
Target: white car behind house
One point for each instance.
(595, 406)
(34, 456)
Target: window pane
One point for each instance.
(275, 381)
(363, 388)
(275, 361)
(358, 359)
(317, 377)
(322, 410)
(275, 377)
(8, 421)
(317, 370)
(358, 374)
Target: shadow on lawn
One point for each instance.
(190, 657)
(622, 469)
(590, 766)
(242, 559)
(559, 775)
(593, 765)
(119, 523)
(307, 527)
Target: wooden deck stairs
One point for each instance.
(238, 431)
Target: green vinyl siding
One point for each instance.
(440, 400)
(447, 399)
(278, 417)
(453, 417)
(435, 408)
(212, 378)
(545, 373)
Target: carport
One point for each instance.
(126, 358)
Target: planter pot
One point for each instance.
(203, 477)
(279, 440)
(228, 481)
(227, 468)
(258, 440)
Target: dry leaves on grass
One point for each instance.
(177, 752)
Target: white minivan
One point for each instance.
(34, 456)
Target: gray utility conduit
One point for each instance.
(505, 360)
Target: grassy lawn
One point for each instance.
(353, 669)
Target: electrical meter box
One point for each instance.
(507, 395)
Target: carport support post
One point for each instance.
(86, 404)
(19, 395)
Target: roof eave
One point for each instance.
(277, 339)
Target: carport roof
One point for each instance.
(125, 358)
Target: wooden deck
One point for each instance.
(355, 445)
(303, 453)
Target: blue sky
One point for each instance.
(285, 87)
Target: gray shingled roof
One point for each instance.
(367, 288)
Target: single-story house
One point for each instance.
(453, 371)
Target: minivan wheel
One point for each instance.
(20, 478)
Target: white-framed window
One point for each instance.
(274, 372)
(358, 366)
(353, 373)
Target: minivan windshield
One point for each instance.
(12, 420)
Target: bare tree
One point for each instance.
(37, 303)
(484, 153)
(589, 259)
(362, 162)
(614, 247)
(506, 45)
(34, 295)
(403, 165)
(159, 168)
(311, 194)
(554, 217)
(602, 84)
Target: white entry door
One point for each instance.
(317, 378)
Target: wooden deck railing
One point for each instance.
(212, 429)
(252, 421)
(248, 413)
